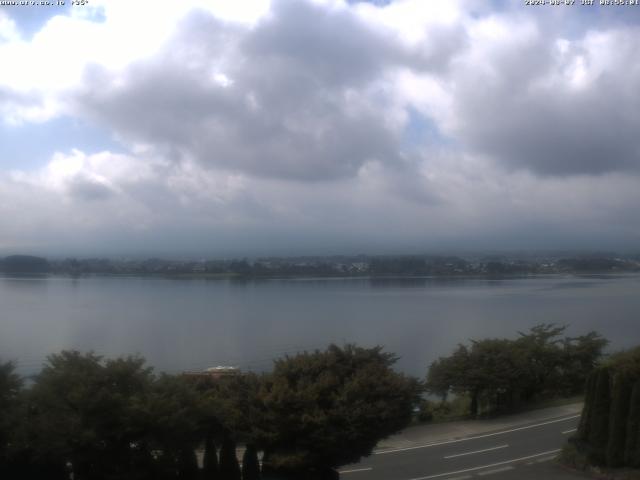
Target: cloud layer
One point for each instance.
(321, 126)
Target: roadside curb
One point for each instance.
(423, 435)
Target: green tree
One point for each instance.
(632, 447)
(174, 416)
(580, 356)
(599, 419)
(620, 402)
(229, 467)
(250, 464)
(329, 408)
(85, 411)
(210, 459)
(541, 349)
(501, 373)
(10, 390)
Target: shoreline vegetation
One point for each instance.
(102, 418)
(361, 266)
(607, 442)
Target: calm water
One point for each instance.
(193, 324)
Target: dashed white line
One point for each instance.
(477, 451)
(570, 431)
(541, 460)
(497, 464)
(447, 442)
(495, 470)
(357, 470)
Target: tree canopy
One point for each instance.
(101, 418)
(329, 408)
(498, 374)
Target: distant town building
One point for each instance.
(215, 373)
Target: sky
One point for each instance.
(289, 127)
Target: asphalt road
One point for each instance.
(521, 452)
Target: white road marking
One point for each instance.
(570, 431)
(497, 464)
(356, 470)
(477, 451)
(464, 477)
(447, 442)
(495, 470)
(541, 460)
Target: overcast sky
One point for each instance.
(258, 127)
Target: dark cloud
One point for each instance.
(300, 103)
(554, 112)
(84, 188)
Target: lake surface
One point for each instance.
(180, 324)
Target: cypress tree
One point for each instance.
(587, 410)
(599, 424)
(229, 467)
(187, 465)
(632, 447)
(210, 460)
(250, 464)
(620, 399)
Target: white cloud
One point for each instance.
(288, 119)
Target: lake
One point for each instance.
(191, 324)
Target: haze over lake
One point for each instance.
(193, 324)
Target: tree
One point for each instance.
(541, 349)
(250, 464)
(609, 432)
(449, 374)
(10, 390)
(210, 459)
(174, 418)
(620, 400)
(329, 408)
(632, 448)
(85, 411)
(579, 357)
(500, 373)
(229, 467)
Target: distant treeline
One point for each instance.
(24, 264)
(361, 265)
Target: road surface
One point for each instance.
(524, 451)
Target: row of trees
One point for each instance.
(500, 374)
(110, 419)
(609, 431)
(102, 419)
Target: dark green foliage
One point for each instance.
(87, 412)
(210, 460)
(329, 408)
(229, 467)
(187, 465)
(101, 419)
(499, 374)
(632, 448)
(579, 357)
(585, 418)
(620, 399)
(599, 419)
(10, 389)
(250, 464)
(609, 432)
